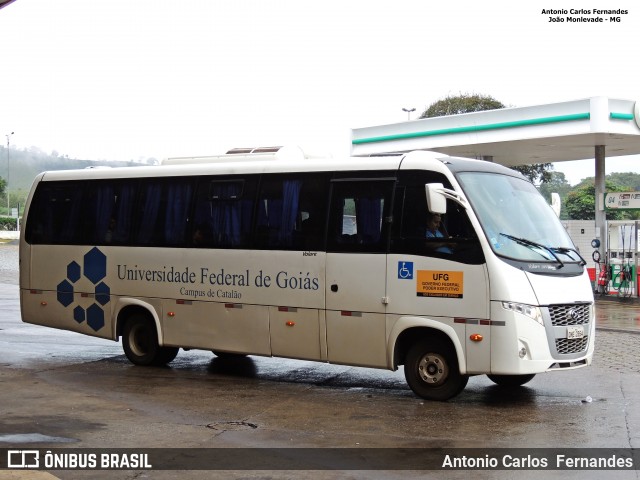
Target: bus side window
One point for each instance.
(222, 213)
(121, 221)
(291, 212)
(456, 241)
(151, 203)
(55, 215)
(313, 212)
(98, 211)
(278, 207)
(178, 206)
(357, 215)
(163, 207)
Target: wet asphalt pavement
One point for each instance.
(60, 389)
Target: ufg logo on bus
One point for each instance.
(437, 283)
(94, 269)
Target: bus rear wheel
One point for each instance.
(140, 343)
(432, 371)
(511, 380)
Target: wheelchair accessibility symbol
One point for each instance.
(405, 270)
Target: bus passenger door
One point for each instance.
(356, 272)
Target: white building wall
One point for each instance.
(582, 232)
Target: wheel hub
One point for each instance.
(433, 369)
(139, 341)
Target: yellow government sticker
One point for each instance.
(436, 283)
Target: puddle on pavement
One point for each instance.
(620, 315)
(237, 425)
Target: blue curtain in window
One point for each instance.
(289, 211)
(124, 214)
(202, 228)
(226, 214)
(369, 219)
(67, 207)
(270, 213)
(274, 214)
(149, 214)
(246, 211)
(104, 203)
(178, 200)
(263, 219)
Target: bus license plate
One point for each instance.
(575, 332)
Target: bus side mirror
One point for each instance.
(436, 200)
(556, 204)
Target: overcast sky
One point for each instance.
(130, 79)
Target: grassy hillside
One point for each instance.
(27, 163)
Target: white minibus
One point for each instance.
(449, 267)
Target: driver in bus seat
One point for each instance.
(434, 226)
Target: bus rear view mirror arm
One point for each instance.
(437, 197)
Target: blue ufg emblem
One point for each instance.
(95, 270)
(405, 270)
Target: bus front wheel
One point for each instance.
(432, 371)
(140, 343)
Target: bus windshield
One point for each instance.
(517, 220)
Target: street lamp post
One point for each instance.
(8, 135)
(408, 110)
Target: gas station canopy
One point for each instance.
(595, 128)
(516, 136)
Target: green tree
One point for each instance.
(630, 180)
(581, 202)
(467, 103)
(463, 103)
(557, 183)
(538, 173)
(3, 186)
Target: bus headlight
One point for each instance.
(530, 311)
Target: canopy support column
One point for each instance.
(601, 219)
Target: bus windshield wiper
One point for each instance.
(529, 243)
(565, 251)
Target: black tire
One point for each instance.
(167, 355)
(511, 380)
(140, 343)
(228, 355)
(432, 371)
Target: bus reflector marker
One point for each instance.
(478, 321)
(291, 324)
(476, 337)
(287, 309)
